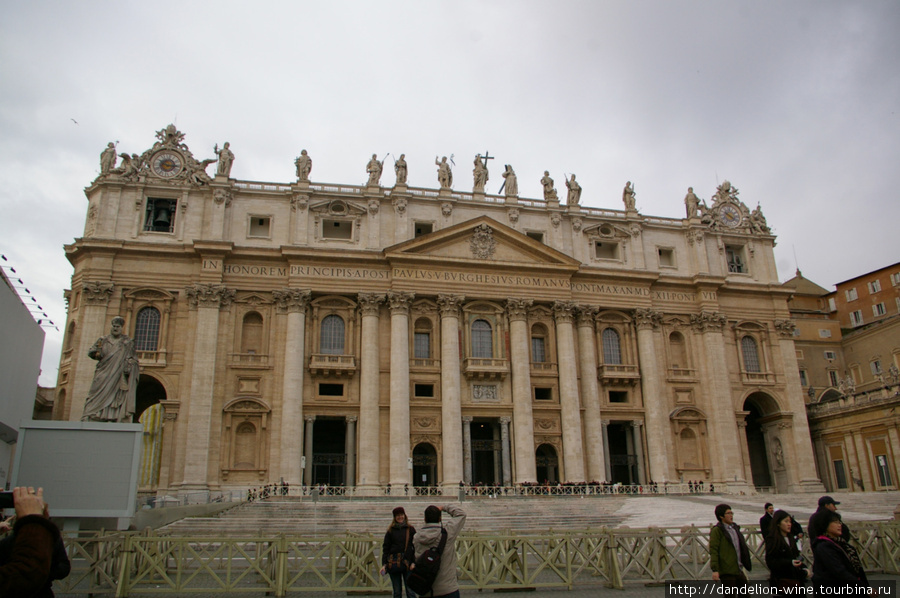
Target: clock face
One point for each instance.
(730, 216)
(166, 164)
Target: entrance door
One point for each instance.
(329, 460)
(486, 448)
(424, 465)
(622, 462)
(756, 445)
(547, 463)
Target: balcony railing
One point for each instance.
(543, 368)
(250, 359)
(618, 373)
(484, 368)
(332, 365)
(757, 378)
(425, 364)
(684, 374)
(151, 358)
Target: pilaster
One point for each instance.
(369, 411)
(570, 410)
(590, 394)
(293, 303)
(655, 401)
(523, 417)
(451, 409)
(399, 420)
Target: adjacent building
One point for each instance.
(366, 335)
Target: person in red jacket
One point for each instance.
(28, 569)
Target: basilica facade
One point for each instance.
(378, 334)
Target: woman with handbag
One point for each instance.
(397, 552)
(782, 555)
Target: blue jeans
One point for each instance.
(398, 580)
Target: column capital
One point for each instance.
(309, 418)
(400, 301)
(563, 311)
(290, 300)
(585, 315)
(208, 295)
(517, 309)
(369, 303)
(467, 419)
(647, 318)
(637, 424)
(450, 304)
(505, 420)
(352, 419)
(95, 292)
(708, 321)
(605, 423)
(785, 328)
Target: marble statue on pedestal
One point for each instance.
(480, 173)
(445, 175)
(226, 158)
(113, 389)
(108, 158)
(400, 169)
(304, 166)
(374, 168)
(574, 194)
(511, 184)
(628, 196)
(691, 203)
(547, 184)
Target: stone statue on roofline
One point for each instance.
(445, 174)
(574, 194)
(374, 168)
(480, 174)
(511, 183)
(108, 158)
(628, 197)
(691, 203)
(547, 184)
(400, 169)
(304, 166)
(226, 159)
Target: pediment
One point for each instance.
(483, 241)
(337, 208)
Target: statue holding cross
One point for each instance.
(481, 171)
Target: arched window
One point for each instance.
(677, 353)
(612, 349)
(146, 329)
(538, 344)
(482, 339)
(751, 354)
(252, 334)
(332, 336)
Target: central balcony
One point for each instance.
(342, 366)
(483, 368)
(618, 374)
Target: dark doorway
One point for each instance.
(622, 460)
(424, 465)
(547, 462)
(485, 452)
(149, 392)
(329, 460)
(756, 446)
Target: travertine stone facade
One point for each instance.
(367, 335)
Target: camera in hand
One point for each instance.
(6, 500)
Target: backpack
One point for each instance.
(422, 577)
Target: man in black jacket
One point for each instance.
(816, 527)
(766, 519)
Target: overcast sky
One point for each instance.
(796, 103)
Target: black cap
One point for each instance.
(827, 500)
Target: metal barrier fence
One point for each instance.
(144, 564)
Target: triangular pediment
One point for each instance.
(481, 241)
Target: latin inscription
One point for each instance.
(491, 279)
(212, 264)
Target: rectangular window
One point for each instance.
(422, 345)
(851, 294)
(538, 354)
(824, 333)
(425, 391)
(666, 257)
(424, 228)
(898, 303)
(803, 380)
(884, 472)
(799, 354)
(337, 229)
(331, 390)
(856, 317)
(543, 394)
(537, 236)
(840, 477)
(874, 286)
(833, 377)
(618, 396)
(160, 215)
(259, 226)
(831, 305)
(878, 309)
(895, 279)
(734, 258)
(830, 355)
(876, 367)
(606, 250)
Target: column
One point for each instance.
(399, 419)
(504, 447)
(629, 444)
(724, 434)
(308, 449)
(570, 410)
(638, 439)
(369, 411)
(655, 412)
(803, 465)
(467, 448)
(606, 464)
(350, 450)
(520, 362)
(169, 433)
(292, 302)
(742, 440)
(94, 303)
(590, 393)
(862, 461)
(206, 300)
(451, 409)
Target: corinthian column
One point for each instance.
(570, 410)
(400, 452)
(451, 410)
(94, 303)
(523, 418)
(590, 394)
(293, 302)
(206, 300)
(655, 415)
(369, 413)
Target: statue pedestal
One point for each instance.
(512, 200)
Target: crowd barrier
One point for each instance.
(131, 564)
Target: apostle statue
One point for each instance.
(304, 166)
(691, 203)
(511, 184)
(112, 394)
(400, 170)
(445, 175)
(574, 194)
(480, 172)
(374, 168)
(547, 184)
(226, 159)
(108, 158)
(628, 196)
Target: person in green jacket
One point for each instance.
(729, 555)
